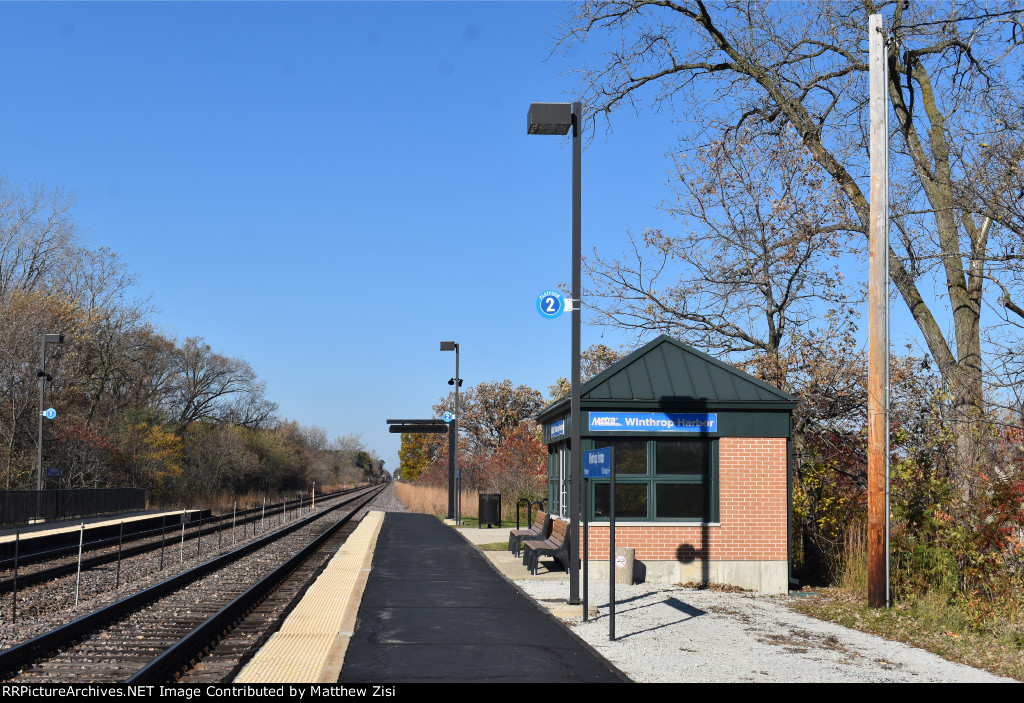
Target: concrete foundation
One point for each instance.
(764, 576)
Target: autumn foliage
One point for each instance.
(135, 406)
(500, 448)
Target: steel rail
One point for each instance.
(180, 655)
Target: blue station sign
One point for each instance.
(597, 463)
(653, 422)
(558, 428)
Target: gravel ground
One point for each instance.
(386, 502)
(671, 634)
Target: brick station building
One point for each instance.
(702, 453)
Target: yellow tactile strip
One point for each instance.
(310, 646)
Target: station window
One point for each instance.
(558, 480)
(553, 485)
(659, 479)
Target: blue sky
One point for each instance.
(328, 189)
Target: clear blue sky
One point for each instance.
(328, 189)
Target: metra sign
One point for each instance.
(653, 422)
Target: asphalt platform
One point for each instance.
(436, 610)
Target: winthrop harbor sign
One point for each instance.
(653, 422)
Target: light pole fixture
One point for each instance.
(453, 435)
(43, 378)
(558, 118)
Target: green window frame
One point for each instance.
(676, 481)
(553, 506)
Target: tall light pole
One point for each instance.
(558, 118)
(47, 339)
(453, 435)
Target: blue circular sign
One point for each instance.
(447, 417)
(49, 413)
(550, 304)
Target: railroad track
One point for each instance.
(43, 565)
(158, 633)
(51, 590)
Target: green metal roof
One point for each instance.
(667, 373)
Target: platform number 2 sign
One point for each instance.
(550, 304)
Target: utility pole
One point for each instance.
(878, 324)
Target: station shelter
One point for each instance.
(702, 455)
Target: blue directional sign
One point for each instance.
(550, 304)
(597, 463)
(558, 428)
(49, 413)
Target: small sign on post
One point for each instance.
(597, 463)
(550, 304)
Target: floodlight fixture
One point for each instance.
(549, 118)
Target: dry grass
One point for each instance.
(931, 621)
(855, 560)
(223, 502)
(432, 500)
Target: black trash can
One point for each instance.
(489, 509)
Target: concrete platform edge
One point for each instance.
(311, 644)
(336, 654)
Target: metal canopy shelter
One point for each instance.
(429, 426)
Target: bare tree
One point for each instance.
(204, 384)
(754, 263)
(770, 67)
(36, 234)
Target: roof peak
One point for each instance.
(668, 371)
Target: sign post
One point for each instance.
(611, 554)
(600, 463)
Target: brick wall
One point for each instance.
(752, 513)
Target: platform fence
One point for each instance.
(21, 507)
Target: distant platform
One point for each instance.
(55, 528)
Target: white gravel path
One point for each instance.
(670, 634)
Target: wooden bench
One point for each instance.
(540, 531)
(556, 545)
